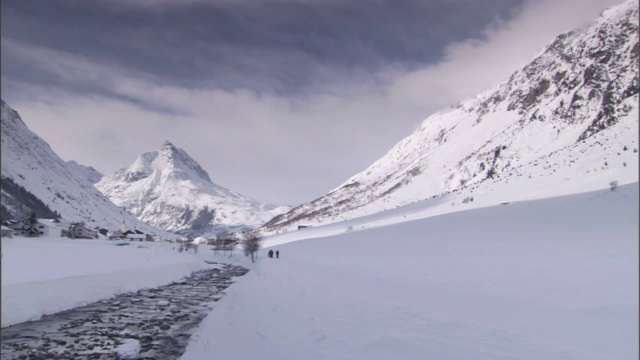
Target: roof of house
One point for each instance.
(84, 227)
(11, 222)
(56, 226)
(136, 236)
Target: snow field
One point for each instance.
(546, 279)
(555, 278)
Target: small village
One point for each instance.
(32, 226)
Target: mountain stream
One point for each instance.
(148, 324)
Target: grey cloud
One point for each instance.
(278, 45)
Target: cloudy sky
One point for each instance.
(279, 100)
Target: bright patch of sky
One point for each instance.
(279, 100)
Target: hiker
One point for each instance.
(277, 254)
(270, 253)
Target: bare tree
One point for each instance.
(226, 242)
(251, 243)
(613, 185)
(229, 246)
(31, 225)
(217, 245)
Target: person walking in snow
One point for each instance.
(277, 254)
(271, 253)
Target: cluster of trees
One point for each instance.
(249, 240)
(30, 227)
(225, 243)
(18, 203)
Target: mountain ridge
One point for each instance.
(169, 189)
(29, 162)
(577, 87)
(88, 172)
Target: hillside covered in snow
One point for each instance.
(88, 172)
(569, 114)
(36, 172)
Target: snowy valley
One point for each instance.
(547, 279)
(505, 227)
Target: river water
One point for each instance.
(148, 324)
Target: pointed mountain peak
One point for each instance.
(179, 160)
(170, 160)
(171, 152)
(169, 189)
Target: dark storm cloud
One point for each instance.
(280, 46)
(22, 64)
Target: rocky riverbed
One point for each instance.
(148, 324)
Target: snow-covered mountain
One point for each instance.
(32, 170)
(88, 172)
(169, 190)
(573, 106)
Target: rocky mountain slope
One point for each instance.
(573, 105)
(88, 172)
(32, 171)
(169, 190)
